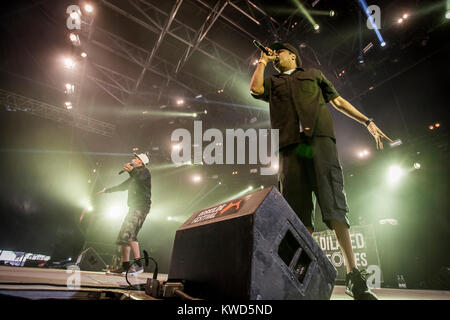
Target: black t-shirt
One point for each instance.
(139, 188)
(300, 96)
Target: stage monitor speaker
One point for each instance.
(253, 247)
(89, 260)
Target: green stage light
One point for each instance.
(395, 174)
(306, 13)
(417, 165)
(114, 212)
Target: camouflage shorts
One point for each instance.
(131, 226)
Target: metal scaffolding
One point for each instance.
(165, 24)
(14, 101)
(179, 31)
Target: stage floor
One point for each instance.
(39, 283)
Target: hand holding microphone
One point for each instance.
(267, 54)
(127, 167)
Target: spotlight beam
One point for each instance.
(170, 114)
(203, 197)
(305, 12)
(374, 26)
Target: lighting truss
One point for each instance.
(44, 110)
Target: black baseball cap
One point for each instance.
(289, 47)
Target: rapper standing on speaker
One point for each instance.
(308, 156)
(139, 201)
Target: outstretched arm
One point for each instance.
(121, 187)
(348, 109)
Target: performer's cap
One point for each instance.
(289, 47)
(143, 157)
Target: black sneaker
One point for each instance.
(356, 286)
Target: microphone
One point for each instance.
(261, 47)
(146, 259)
(122, 171)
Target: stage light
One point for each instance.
(84, 54)
(437, 125)
(194, 115)
(255, 62)
(447, 14)
(176, 147)
(332, 13)
(68, 105)
(70, 88)
(114, 213)
(431, 127)
(89, 208)
(73, 37)
(169, 218)
(69, 63)
(220, 182)
(395, 174)
(198, 96)
(417, 165)
(383, 44)
(196, 178)
(180, 102)
(405, 16)
(89, 8)
(363, 154)
(205, 112)
(316, 27)
(250, 188)
(400, 20)
(261, 187)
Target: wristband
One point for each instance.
(368, 121)
(264, 63)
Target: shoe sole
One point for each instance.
(114, 273)
(136, 272)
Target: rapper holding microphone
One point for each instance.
(139, 200)
(309, 160)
